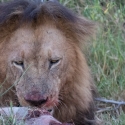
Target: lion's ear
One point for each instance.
(84, 30)
(80, 29)
(8, 26)
(8, 21)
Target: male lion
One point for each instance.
(41, 60)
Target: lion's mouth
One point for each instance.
(47, 105)
(37, 103)
(35, 99)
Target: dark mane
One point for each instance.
(29, 10)
(17, 12)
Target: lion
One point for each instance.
(42, 62)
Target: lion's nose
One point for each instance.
(35, 98)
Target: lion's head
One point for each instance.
(41, 57)
(41, 61)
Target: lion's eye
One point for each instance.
(18, 64)
(53, 62)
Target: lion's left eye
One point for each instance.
(53, 62)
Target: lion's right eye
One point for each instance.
(18, 64)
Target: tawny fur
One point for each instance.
(34, 33)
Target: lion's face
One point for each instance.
(39, 62)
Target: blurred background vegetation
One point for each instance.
(107, 52)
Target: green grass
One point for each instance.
(11, 120)
(107, 52)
